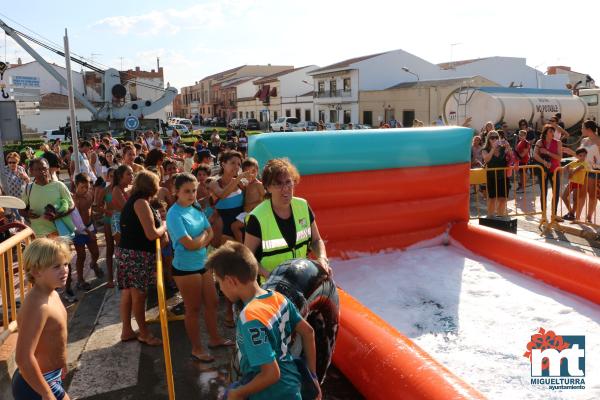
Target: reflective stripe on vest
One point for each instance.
(275, 249)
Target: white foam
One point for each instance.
(474, 316)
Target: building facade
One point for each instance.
(423, 100)
(336, 87)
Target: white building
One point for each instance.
(31, 77)
(506, 71)
(337, 86)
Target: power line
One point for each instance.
(82, 60)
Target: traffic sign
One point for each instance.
(132, 123)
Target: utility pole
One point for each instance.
(74, 138)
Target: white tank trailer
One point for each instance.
(501, 104)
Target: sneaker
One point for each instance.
(84, 286)
(69, 296)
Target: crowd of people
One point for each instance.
(500, 151)
(194, 199)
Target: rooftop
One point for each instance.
(453, 64)
(345, 63)
(433, 82)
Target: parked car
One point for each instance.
(284, 124)
(251, 124)
(331, 126)
(363, 126)
(235, 123)
(305, 125)
(218, 121)
(182, 129)
(53, 134)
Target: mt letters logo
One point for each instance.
(557, 362)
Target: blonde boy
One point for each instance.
(41, 354)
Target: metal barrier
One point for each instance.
(164, 321)
(523, 200)
(584, 201)
(7, 274)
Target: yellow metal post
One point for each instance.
(164, 322)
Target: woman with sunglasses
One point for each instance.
(283, 227)
(494, 154)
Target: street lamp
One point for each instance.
(405, 69)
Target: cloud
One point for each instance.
(171, 21)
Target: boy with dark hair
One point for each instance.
(84, 200)
(264, 329)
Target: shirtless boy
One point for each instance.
(41, 353)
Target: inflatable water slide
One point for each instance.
(431, 306)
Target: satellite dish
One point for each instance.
(119, 91)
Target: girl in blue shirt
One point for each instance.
(190, 233)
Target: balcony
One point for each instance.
(333, 93)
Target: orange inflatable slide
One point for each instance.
(385, 190)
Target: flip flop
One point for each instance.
(152, 341)
(225, 343)
(202, 360)
(130, 338)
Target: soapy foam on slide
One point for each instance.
(473, 315)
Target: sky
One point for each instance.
(194, 39)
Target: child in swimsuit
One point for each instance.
(41, 352)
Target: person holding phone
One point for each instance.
(495, 154)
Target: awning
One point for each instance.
(273, 92)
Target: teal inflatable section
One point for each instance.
(323, 152)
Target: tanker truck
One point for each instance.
(501, 104)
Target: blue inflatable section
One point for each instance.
(323, 152)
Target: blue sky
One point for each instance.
(197, 38)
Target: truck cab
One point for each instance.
(590, 97)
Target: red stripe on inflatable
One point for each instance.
(384, 364)
(564, 268)
(375, 220)
(325, 191)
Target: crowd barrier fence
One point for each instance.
(164, 321)
(583, 200)
(7, 274)
(518, 183)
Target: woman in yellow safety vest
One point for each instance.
(283, 227)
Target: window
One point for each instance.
(347, 84)
(321, 87)
(247, 114)
(347, 116)
(275, 115)
(288, 113)
(260, 116)
(240, 114)
(333, 116)
(321, 116)
(590, 99)
(367, 118)
(252, 114)
(408, 117)
(307, 115)
(298, 112)
(332, 85)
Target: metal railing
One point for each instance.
(521, 201)
(583, 199)
(7, 274)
